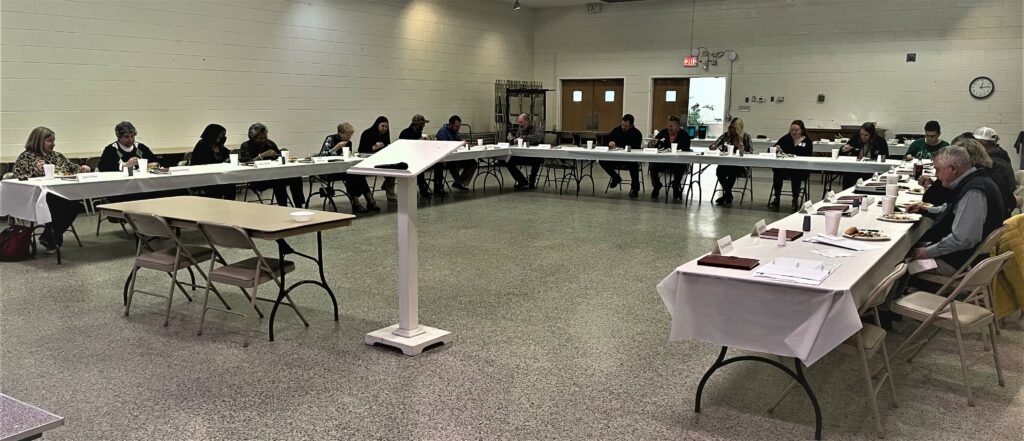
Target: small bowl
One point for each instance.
(301, 216)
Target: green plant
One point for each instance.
(694, 117)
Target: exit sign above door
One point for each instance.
(690, 61)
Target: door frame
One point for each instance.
(560, 91)
(650, 91)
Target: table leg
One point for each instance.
(282, 250)
(797, 374)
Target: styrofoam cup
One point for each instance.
(48, 170)
(346, 151)
(480, 142)
(835, 153)
(888, 204)
(832, 219)
(233, 158)
(590, 144)
(675, 146)
(892, 190)
(773, 150)
(143, 165)
(892, 179)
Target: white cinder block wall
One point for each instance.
(852, 51)
(301, 67)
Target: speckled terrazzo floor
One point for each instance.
(559, 334)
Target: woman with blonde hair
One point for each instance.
(727, 174)
(39, 151)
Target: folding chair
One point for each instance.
(960, 316)
(746, 190)
(865, 344)
(160, 249)
(248, 273)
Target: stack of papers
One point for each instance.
(840, 242)
(805, 272)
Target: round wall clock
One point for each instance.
(982, 87)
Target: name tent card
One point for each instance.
(831, 196)
(601, 149)
(178, 170)
(847, 159)
(86, 177)
(807, 207)
(723, 246)
(759, 228)
(650, 150)
(263, 164)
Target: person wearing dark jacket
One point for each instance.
(623, 136)
(259, 147)
(866, 145)
(727, 174)
(125, 152)
(210, 149)
(462, 171)
(664, 140)
(531, 134)
(961, 224)
(371, 140)
(415, 132)
(795, 143)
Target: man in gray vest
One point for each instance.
(974, 211)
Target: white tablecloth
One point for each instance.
(733, 308)
(761, 145)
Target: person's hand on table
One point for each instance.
(653, 142)
(84, 168)
(846, 148)
(611, 144)
(916, 207)
(270, 153)
(39, 164)
(131, 163)
(378, 146)
(509, 137)
(918, 253)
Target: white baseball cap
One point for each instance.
(986, 134)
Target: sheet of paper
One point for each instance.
(832, 253)
(803, 271)
(840, 242)
(921, 265)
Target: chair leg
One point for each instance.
(995, 352)
(870, 384)
(924, 343)
(170, 296)
(180, 287)
(963, 360)
(296, 309)
(888, 370)
(782, 397)
(206, 301)
(250, 318)
(131, 290)
(75, 233)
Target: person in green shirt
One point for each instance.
(924, 148)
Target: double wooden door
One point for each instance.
(591, 105)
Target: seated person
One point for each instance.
(727, 174)
(462, 171)
(964, 222)
(125, 152)
(866, 145)
(374, 138)
(210, 149)
(796, 143)
(415, 132)
(925, 148)
(333, 146)
(664, 140)
(625, 135)
(39, 150)
(1001, 172)
(531, 135)
(259, 148)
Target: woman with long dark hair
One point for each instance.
(210, 149)
(796, 143)
(867, 144)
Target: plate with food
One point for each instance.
(904, 205)
(868, 235)
(916, 190)
(900, 218)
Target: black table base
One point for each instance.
(283, 250)
(797, 375)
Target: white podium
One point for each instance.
(408, 335)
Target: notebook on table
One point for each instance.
(773, 233)
(731, 262)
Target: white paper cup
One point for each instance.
(285, 154)
(892, 179)
(675, 146)
(892, 190)
(301, 216)
(233, 158)
(781, 239)
(832, 219)
(346, 151)
(143, 165)
(48, 170)
(773, 150)
(480, 142)
(590, 145)
(835, 153)
(881, 158)
(888, 204)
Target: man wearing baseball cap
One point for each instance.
(990, 139)
(1002, 169)
(415, 131)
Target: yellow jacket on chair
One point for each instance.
(1008, 295)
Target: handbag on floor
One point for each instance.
(15, 242)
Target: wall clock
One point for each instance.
(982, 87)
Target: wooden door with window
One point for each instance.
(669, 96)
(591, 105)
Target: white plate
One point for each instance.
(881, 238)
(913, 218)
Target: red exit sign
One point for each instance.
(690, 61)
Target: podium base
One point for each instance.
(410, 346)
